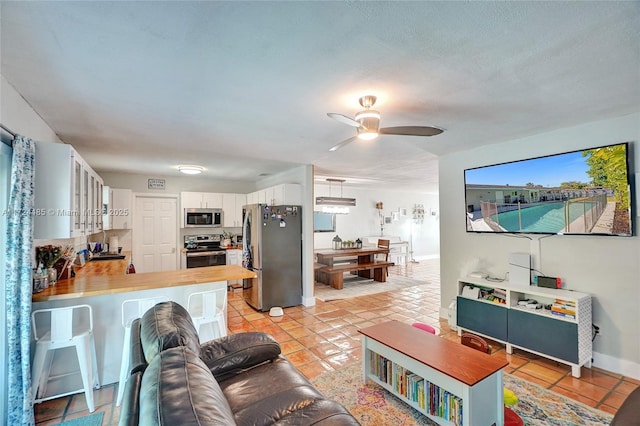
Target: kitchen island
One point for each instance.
(105, 293)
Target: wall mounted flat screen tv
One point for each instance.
(324, 222)
(585, 192)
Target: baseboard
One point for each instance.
(309, 301)
(615, 365)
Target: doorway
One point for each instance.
(155, 233)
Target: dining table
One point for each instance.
(329, 258)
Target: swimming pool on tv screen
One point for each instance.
(541, 218)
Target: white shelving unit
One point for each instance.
(563, 338)
(461, 386)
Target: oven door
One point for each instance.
(206, 258)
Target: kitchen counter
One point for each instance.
(94, 268)
(87, 284)
(106, 294)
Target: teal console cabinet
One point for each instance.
(562, 334)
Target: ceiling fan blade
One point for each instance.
(343, 143)
(411, 131)
(343, 119)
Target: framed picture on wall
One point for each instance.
(387, 220)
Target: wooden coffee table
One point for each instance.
(450, 383)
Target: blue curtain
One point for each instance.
(18, 282)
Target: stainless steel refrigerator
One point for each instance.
(272, 248)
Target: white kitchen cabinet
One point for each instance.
(234, 257)
(252, 198)
(119, 209)
(286, 193)
(201, 200)
(66, 198)
(232, 206)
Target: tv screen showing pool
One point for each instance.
(580, 192)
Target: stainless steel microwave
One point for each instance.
(202, 218)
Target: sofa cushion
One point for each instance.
(276, 393)
(130, 410)
(178, 389)
(233, 354)
(167, 325)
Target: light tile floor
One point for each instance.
(324, 338)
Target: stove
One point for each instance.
(204, 250)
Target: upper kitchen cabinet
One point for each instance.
(117, 208)
(67, 193)
(232, 206)
(286, 193)
(201, 200)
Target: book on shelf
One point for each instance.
(429, 397)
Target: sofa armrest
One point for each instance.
(233, 354)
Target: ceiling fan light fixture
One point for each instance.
(369, 120)
(191, 170)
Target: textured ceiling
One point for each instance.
(243, 88)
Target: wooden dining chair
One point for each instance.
(385, 244)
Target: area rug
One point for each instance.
(373, 405)
(355, 286)
(94, 419)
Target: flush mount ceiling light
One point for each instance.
(191, 170)
(336, 201)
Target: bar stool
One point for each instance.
(204, 309)
(62, 333)
(132, 309)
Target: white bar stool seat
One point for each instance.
(207, 313)
(62, 332)
(132, 309)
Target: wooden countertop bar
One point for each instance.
(110, 284)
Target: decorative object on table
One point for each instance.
(348, 244)
(47, 256)
(359, 243)
(337, 242)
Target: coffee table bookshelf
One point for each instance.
(449, 383)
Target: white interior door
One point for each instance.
(154, 234)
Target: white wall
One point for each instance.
(605, 267)
(174, 184)
(363, 220)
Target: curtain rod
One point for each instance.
(6, 129)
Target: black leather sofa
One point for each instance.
(241, 379)
(629, 412)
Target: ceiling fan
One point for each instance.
(367, 124)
